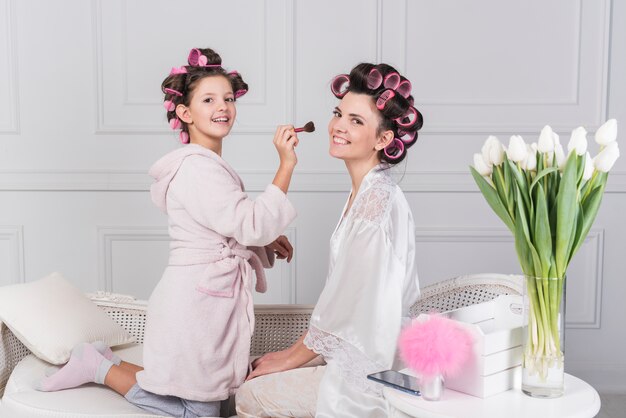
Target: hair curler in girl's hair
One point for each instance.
(197, 59)
(169, 105)
(173, 92)
(240, 93)
(175, 123)
(384, 97)
(339, 85)
(179, 70)
(374, 79)
(309, 127)
(392, 80)
(395, 149)
(184, 137)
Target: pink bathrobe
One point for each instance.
(200, 315)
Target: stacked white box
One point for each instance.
(495, 363)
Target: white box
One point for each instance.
(495, 364)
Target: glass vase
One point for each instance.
(544, 326)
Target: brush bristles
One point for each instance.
(309, 127)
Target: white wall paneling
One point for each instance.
(132, 259)
(483, 69)
(468, 250)
(128, 68)
(9, 106)
(11, 254)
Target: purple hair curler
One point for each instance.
(404, 88)
(395, 149)
(409, 119)
(384, 97)
(374, 79)
(391, 80)
(173, 92)
(340, 84)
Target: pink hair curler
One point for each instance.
(175, 123)
(169, 105)
(404, 88)
(240, 93)
(384, 97)
(374, 79)
(391, 80)
(233, 72)
(407, 137)
(395, 149)
(340, 85)
(411, 100)
(179, 70)
(184, 137)
(173, 92)
(197, 59)
(409, 119)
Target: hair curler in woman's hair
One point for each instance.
(308, 127)
(340, 85)
(404, 88)
(407, 137)
(409, 119)
(374, 79)
(395, 149)
(392, 80)
(384, 97)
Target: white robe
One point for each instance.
(372, 282)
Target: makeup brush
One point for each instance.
(309, 127)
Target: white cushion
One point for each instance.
(50, 316)
(22, 400)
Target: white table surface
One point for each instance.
(579, 401)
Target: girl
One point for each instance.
(200, 316)
(372, 279)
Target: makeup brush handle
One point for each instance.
(299, 130)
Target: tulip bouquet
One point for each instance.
(549, 200)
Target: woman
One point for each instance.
(372, 279)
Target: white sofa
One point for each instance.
(277, 327)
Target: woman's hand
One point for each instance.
(270, 365)
(285, 141)
(283, 249)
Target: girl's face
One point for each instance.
(353, 129)
(211, 111)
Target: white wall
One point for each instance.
(81, 121)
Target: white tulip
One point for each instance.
(483, 168)
(517, 149)
(578, 141)
(546, 140)
(606, 158)
(588, 167)
(531, 159)
(607, 133)
(559, 153)
(493, 151)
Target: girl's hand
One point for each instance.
(282, 248)
(285, 141)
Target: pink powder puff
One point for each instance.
(435, 346)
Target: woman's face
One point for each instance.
(211, 111)
(353, 128)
